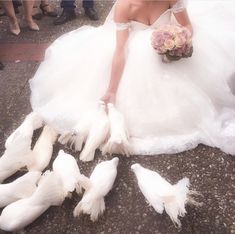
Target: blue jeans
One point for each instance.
(70, 4)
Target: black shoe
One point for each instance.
(91, 13)
(17, 3)
(65, 17)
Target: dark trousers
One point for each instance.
(70, 4)
(16, 3)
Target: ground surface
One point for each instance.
(210, 171)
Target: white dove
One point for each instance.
(18, 147)
(67, 168)
(161, 194)
(14, 158)
(97, 134)
(42, 151)
(96, 187)
(32, 122)
(22, 187)
(76, 138)
(119, 139)
(21, 213)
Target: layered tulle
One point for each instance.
(167, 108)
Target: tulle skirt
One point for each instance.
(168, 108)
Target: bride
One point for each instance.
(167, 107)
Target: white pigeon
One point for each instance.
(22, 187)
(96, 188)
(119, 138)
(21, 213)
(161, 194)
(18, 147)
(32, 122)
(42, 151)
(77, 137)
(14, 158)
(97, 134)
(67, 168)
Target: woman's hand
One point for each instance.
(109, 97)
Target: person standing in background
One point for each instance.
(16, 5)
(68, 12)
(13, 22)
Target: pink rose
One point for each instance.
(167, 35)
(159, 40)
(162, 50)
(179, 41)
(169, 44)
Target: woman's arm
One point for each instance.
(118, 64)
(182, 17)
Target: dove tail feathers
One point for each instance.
(93, 206)
(121, 147)
(175, 202)
(72, 140)
(50, 190)
(91, 203)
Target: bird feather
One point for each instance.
(21, 213)
(119, 138)
(22, 187)
(161, 194)
(42, 151)
(96, 188)
(97, 134)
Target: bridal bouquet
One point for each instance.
(173, 42)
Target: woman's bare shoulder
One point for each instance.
(122, 10)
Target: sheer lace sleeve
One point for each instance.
(122, 26)
(110, 19)
(179, 6)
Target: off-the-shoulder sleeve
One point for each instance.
(179, 6)
(122, 26)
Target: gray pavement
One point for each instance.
(211, 172)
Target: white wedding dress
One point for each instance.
(168, 108)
